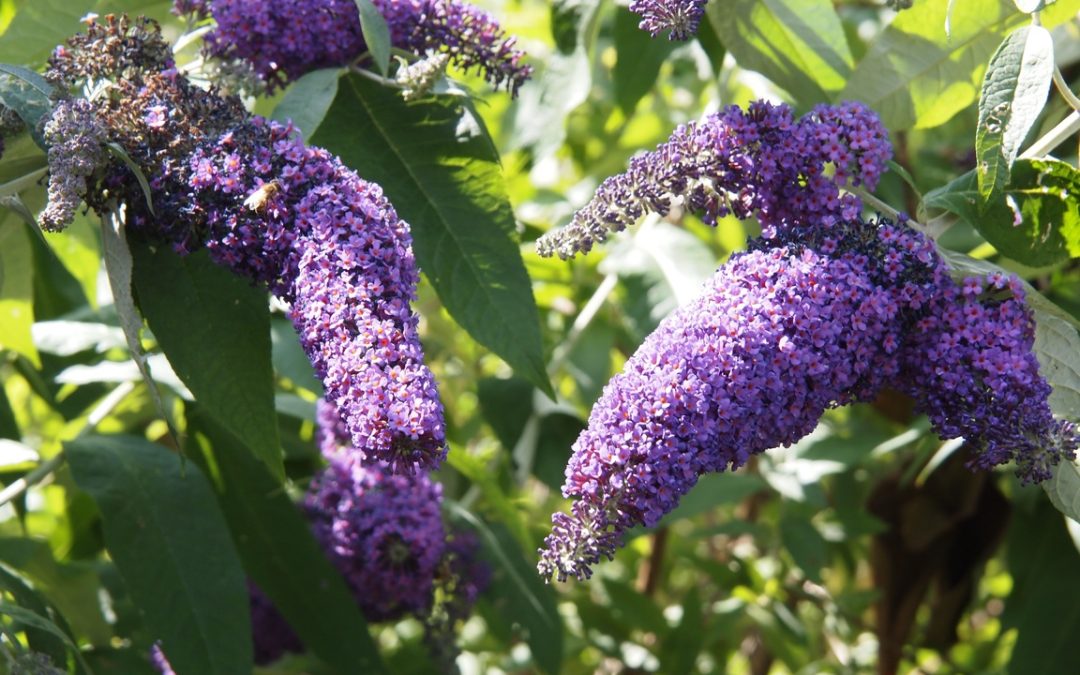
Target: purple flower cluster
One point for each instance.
(271, 634)
(969, 365)
(780, 334)
(277, 212)
(681, 17)
(284, 39)
(76, 140)
(330, 244)
(760, 161)
(159, 661)
(794, 326)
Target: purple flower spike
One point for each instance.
(681, 17)
(780, 334)
(760, 161)
(271, 635)
(284, 39)
(970, 367)
(384, 533)
(330, 244)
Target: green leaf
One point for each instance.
(805, 544)
(40, 640)
(170, 542)
(281, 556)
(522, 596)
(714, 490)
(1057, 346)
(915, 75)
(1013, 95)
(639, 59)
(798, 44)
(289, 358)
(634, 609)
(506, 404)
(28, 94)
(308, 99)
(118, 267)
(437, 164)
(544, 103)
(41, 623)
(679, 651)
(1045, 600)
(215, 329)
(120, 153)
(376, 34)
(1036, 221)
(16, 289)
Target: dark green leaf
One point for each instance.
(679, 651)
(805, 544)
(558, 431)
(634, 609)
(1036, 221)
(41, 623)
(639, 59)
(376, 34)
(28, 94)
(1013, 95)
(170, 542)
(40, 640)
(523, 598)
(714, 490)
(506, 405)
(289, 358)
(281, 556)
(308, 99)
(798, 44)
(438, 166)
(215, 329)
(1045, 600)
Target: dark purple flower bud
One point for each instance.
(681, 17)
(285, 39)
(76, 138)
(383, 532)
(760, 161)
(197, 9)
(271, 635)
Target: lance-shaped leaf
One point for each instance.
(215, 329)
(164, 531)
(798, 44)
(437, 164)
(376, 34)
(27, 93)
(308, 99)
(1013, 95)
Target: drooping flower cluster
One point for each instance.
(759, 161)
(76, 140)
(798, 324)
(970, 367)
(284, 39)
(681, 17)
(278, 212)
(781, 333)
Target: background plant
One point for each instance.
(867, 545)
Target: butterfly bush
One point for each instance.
(284, 39)
(275, 211)
(76, 140)
(798, 324)
(681, 17)
(761, 161)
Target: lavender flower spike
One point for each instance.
(284, 39)
(739, 162)
(76, 138)
(780, 334)
(681, 17)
